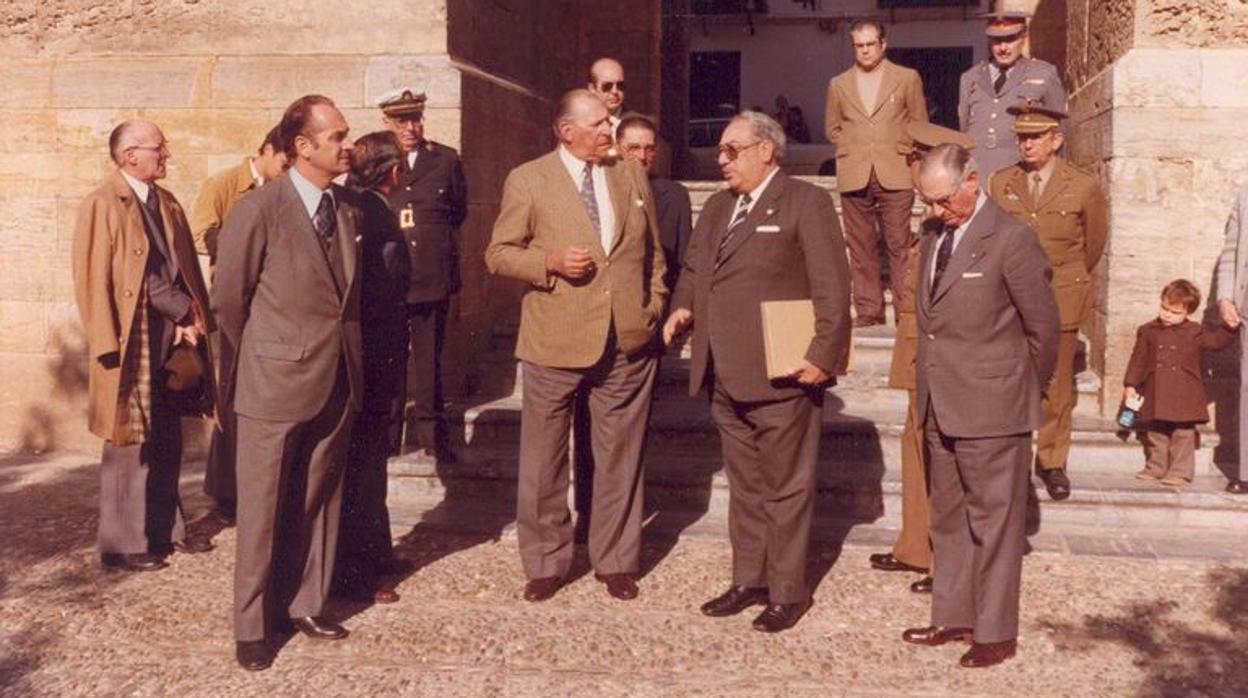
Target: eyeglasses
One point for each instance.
(159, 147)
(732, 152)
(611, 86)
(640, 149)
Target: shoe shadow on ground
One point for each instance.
(1179, 660)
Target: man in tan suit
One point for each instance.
(140, 295)
(286, 294)
(766, 238)
(1066, 208)
(867, 110)
(988, 328)
(581, 230)
(216, 198)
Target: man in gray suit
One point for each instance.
(286, 296)
(1007, 79)
(988, 335)
(768, 237)
(1232, 295)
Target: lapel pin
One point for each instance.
(771, 211)
(639, 203)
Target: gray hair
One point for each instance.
(949, 158)
(764, 128)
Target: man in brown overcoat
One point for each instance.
(140, 294)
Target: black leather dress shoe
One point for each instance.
(734, 601)
(982, 654)
(542, 588)
(1237, 487)
(133, 562)
(319, 628)
(923, 586)
(193, 545)
(888, 563)
(1056, 482)
(226, 512)
(621, 586)
(253, 655)
(781, 616)
(935, 636)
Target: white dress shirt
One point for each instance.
(957, 234)
(309, 193)
(606, 213)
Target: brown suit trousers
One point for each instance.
(914, 543)
(770, 449)
(618, 390)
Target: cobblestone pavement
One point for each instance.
(1092, 626)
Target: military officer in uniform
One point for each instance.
(431, 203)
(1066, 208)
(1008, 78)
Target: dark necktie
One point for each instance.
(743, 209)
(325, 221)
(943, 253)
(1003, 73)
(591, 201)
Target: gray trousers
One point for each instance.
(140, 511)
(1243, 409)
(770, 450)
(979, 506)
(289, 501)
(619, 405)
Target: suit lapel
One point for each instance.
(305, 236)
(763, 209)
(968, 253)
(889, 81)
(1054, 187)
(923, 289)
(568, 200)
(849, 86)
(1018, 185)
(1015, 77)
(620, 192)
(425, 160)
(985, 79)
(348, 245)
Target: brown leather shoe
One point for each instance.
(319, 628)
(781, 616)
(1056, 482)
(935, 636)
(982, 654)
(888, 563)
(620, 585)
(542, 588)
(734, 601)
(923, 586)
(193, 545)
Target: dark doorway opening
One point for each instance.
(940, 69)
(714, 94)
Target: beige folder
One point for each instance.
(788, 328)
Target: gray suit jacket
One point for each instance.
(1232, 269)
(982, 113)
(789, 247)
(277, 300)
(988, 335)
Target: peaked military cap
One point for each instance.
(1004, 24)
(928, 135)
(1029, 118)
(403, 101)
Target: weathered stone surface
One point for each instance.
(1195, 23)
(26, 84)
(129, 82)
(1224, 78)
(276, 81)
(433, 75)
(1158, 78)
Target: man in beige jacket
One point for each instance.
(581, 230)
(867, 110)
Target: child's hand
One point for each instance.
(1128, 392)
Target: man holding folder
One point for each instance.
(766, 238)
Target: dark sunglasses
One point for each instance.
(608, 86)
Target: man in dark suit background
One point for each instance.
(285, 295)
(431, 203)
(988, 336)
(767, 237)
(637, 139)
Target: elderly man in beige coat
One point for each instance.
(140, 294)
(581, 230)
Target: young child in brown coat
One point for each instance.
(1165, 370)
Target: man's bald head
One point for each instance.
(606, 80)
(582, 126)
(128, 134)
(139, 149)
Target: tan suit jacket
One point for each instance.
(789, 247)
(1071, 219)
(109, 261)
(216, 198)
(565, 323)
(873, 139)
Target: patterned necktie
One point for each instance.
(325, 221)
(587, 196)
(943, 253)
(1002, 75)
(743, 209)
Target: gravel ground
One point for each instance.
(1092, 626)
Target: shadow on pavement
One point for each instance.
(1179, 660)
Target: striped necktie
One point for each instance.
(743, 209)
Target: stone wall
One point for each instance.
(1157, 104)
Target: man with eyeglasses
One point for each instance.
(431, 203)
(988, 335)
(606, 79)
(767, 237)
(142, 301)
(1008, 78)
(867, 109)
(638, 140)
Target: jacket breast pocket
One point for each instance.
(277, 351)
